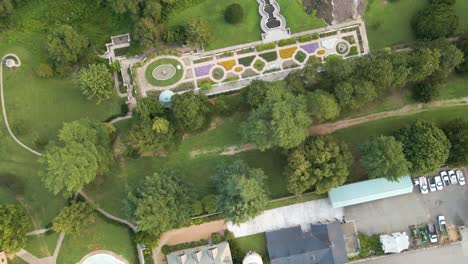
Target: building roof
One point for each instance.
(394, 243)
(252, 258)
(317, 244)
(367, 191)
(165, 98)
(214, 254)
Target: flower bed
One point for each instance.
(259, 65)
(238, 69)
(218, 74)
(228, 65)
(203, 70)
(246, 61)
(202, 60)
(310, 48)
(287, 53)
(321, 52)
(249, 73)
(300, 56)
(269, 56)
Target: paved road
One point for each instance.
(452, 254)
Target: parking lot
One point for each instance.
(397, 213)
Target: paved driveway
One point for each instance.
(397, 213)
(452, 254)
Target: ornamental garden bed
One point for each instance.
(269, 56)
(164, 62)
(287, 53)
(247, 61)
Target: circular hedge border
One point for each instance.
(174, 79)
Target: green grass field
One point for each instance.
(296, 17)
(255, 243)
(42, 245)
(103, 235)
(389, 22)
(359, 134)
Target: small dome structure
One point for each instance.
(10, 63)
(165, 98)
(252, 258)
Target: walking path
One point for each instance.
(329, 128)
(4, 108)
(39, 231)
(31, 259)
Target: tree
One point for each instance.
(160, 203)
(197, 208)
(82, 151)
(355, 94)
(44, 70)
(191, 110)
(96, 82)
(457, 133)
(463, 46)
(153, 9)
(426, 91)
(6, 8)
(198, 33)
(423, 63)
(383, 157)
(450, 58)
(148, 33)
(123, 6)
(254, 94)
(322, 105)
(241, 191)
(153, 136)
(65, 46)
(210, 204)
(74, 219)
(424, 145)
(14, 224)
(280, 121)
(148, 108)
(437, 20)
(321, 162)
(234, 13)
(377, 69)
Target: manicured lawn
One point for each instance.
(224, 34)
(455, 88)
(298, 199)
(196, 159)
(42, 245)
(461, 7)
(178, 74)
(296, 17)
(103, 235)
(359, 134)
(255, 243)
(389, 22)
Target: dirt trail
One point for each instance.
(186, 234)
(329, 128)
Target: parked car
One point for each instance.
(432, 233)
(423, 185)
(453, 177)
(415, 181)
(432, 184)
(442, 222)
(438, 182)
(460, 177)
(445, 178)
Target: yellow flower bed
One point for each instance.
(228, 65)
(287, 53)
(238, 69)
(321, 52)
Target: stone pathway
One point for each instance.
(31, 259)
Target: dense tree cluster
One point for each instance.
(14, 224)
(457, 133)
(437, 20)
(242, 193)
(82, 151)
(191, 111)
(320, 162)
(74, 218)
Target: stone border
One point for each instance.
(107, 252)
(164, 65)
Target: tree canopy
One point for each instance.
(234, 13)
(320, 162)
(198, 33)
(123, 6)
(322, 105)
(437, 20)
(383, 157)
(65, 46)
(160, 203)
(96, 82)
(280, 121)
(82, 151)
(190, 110)
(73, 219)
(457, 133)
(14, 224)
(424, 145)
(241, 191)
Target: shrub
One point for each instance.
(225, 55)
(269, 56)
(246, 61)
(228, 65)
(217, 238)
(287, 53)
(234, 13)
(244, 51)
(197, 208)
(259, 65)
(206, 86)
(285, 42)
(202, 60)
(321, 52)
(425, 92)
(300, 56)
(370, 245)
(218, 74)
(306, 38)
(266, 46)
(232, 78)
(44, 71)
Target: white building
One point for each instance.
(252, 258)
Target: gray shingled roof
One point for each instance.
(321, 244)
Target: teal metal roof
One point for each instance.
(367, 191)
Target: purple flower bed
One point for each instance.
(203, 70)
(310, 48)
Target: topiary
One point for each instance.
(234, 13)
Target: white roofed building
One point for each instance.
(210, 254)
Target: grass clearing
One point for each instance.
(42, 245)
(103, 235)
(223, 34)
(296, 17)
(257, 243)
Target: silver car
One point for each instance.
(453, 177)
(438, 182)
(423, 185)
(460, 177)
(432, 184)
(445, 178)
